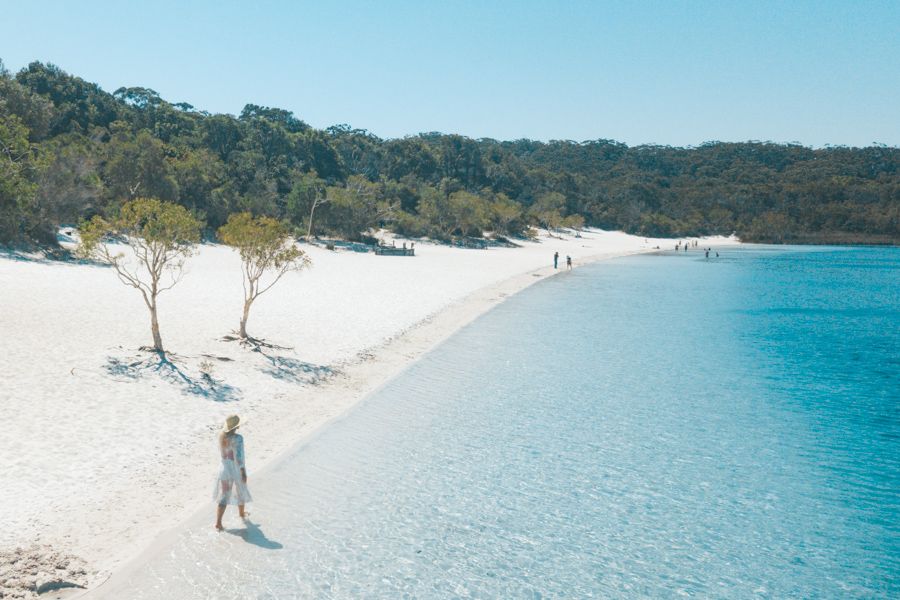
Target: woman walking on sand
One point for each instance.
(231, 485)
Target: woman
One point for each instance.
(231, 485)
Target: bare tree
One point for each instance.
(318, 200)
(161, 236)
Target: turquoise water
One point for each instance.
(654, 426)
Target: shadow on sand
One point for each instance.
(166, 367)
(56, 257)
(252, 534)
(293, 370)
(283, 367)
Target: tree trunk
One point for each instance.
(154, 328)
(311, 213)
(243, 331)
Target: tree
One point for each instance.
(574, 222)
(135, 143)
(16, 188)
(77, 105)
(468, 214)
(547, 211)
(306, 195)
(505, 213)
(356, 207)
(161, 236)
(68, 187)
(138, 167)
(265, 246)
(36, 112)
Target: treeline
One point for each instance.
(69, 151)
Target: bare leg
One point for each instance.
(241, 511)
(220, 509)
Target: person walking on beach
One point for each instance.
(555, 259)
(231, 484)
(568, 262)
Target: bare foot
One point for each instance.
(245, 515)
(219, 527)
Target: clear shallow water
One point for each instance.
(652, 426)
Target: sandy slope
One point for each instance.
(103, 450)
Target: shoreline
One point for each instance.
(365, 378)
(281, 416)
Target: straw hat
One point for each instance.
(231, 423)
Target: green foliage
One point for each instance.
(67, 184)
(78, 106)
(139, 166)
(263, 242)
(266, 246)
(355, 207)
(506, 215)
(16, 188)
(159, 231)
(88, 151)
(161, 236)
(468, 214)
(575, 222)
(547, 210)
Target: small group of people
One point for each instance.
(556, 261)
(679, 245)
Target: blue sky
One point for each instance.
(677, 73)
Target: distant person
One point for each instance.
(231, 485)
(555, 260)
(707, 254)
(568, 262)
(717, 255)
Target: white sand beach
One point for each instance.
(104, 448)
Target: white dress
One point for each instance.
(230, 488)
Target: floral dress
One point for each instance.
(230, 488)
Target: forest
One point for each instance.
(70, 150)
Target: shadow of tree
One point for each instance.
(283, 367)
(167, 367)
(293, 370)
(252, 534)
(55, 257)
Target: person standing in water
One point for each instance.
(568, 262)
(231, 484)
(555, 259)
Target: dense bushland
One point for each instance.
(70, 150)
